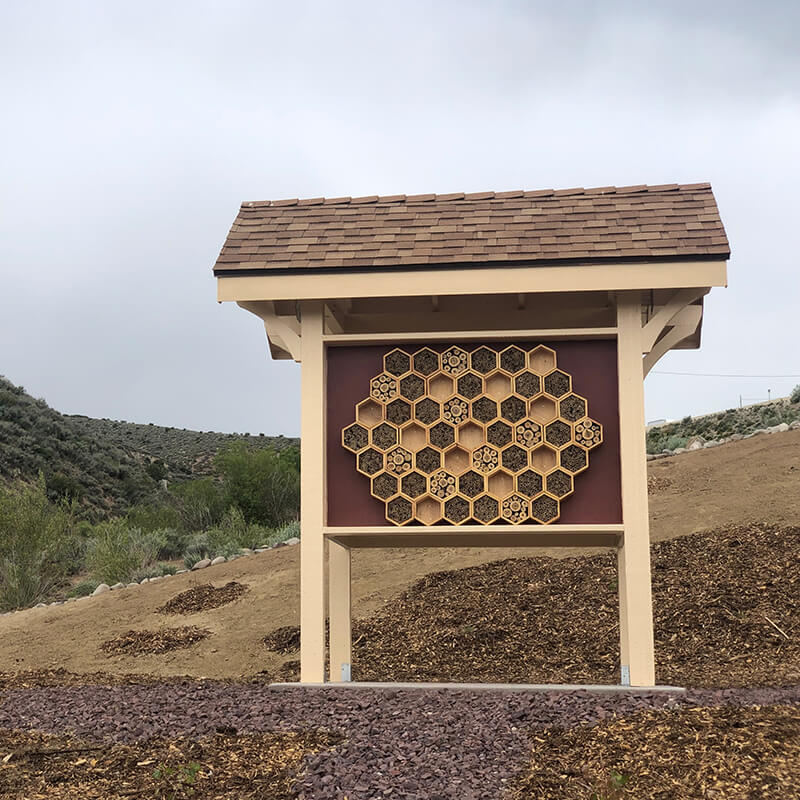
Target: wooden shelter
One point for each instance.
(472, 371)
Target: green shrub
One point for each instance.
(154, 515)
(794, 397)
(83, 589)
(201, 503)
(117, 552)
(38, 545)
(167, 569)
(263, 484)
(171, 542)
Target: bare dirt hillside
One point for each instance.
(755, 480)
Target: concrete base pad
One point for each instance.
(484, 687)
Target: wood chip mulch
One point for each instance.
(710, 753)
(35, 766)
(283, 640)
(140, 643)
(726, 606)
(203, 597)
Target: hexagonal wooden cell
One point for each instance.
(515, 509)
(428, 510)
(485, 509)
(397, 362)
(413, 437)
(355, 437)
(369, 413)
(542, 359)
(471, 435)
(384, 485)
(470, 385)
(545, 509)
(455, 361)
(498, 386)
(492, 433)
(456, 460)
(500, 484)
(457, 510)
(440, 387)
(542, 410)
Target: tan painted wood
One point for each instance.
(663, 317)
(471, 335)
(342, 284)
(312, 496)
(685, 323)
(547, 536)
(636, 612)
(283, 332)
(339, 610)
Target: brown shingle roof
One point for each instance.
(633, 222)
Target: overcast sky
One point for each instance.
(132, 131)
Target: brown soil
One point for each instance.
(752, 480)
(35, 766)
(139, 643)
(203, 598)
(708, 753)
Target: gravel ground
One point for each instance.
(431, 744)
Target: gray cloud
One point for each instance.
(133, 132)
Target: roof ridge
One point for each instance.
(456, 196)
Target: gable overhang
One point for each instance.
(344, 284)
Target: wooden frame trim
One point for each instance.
(517, 280)
(500, 334)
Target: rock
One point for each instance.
(246, 551)
(131, 585)
(794, 425)
(157, 578)
(736, 437)
(118, 586)
(293, 540)
(144, 580)
(101, 589)
(218, 560)
(181, 571)
(712, 443)
(261, 549)
(234, 557)
(697, 444)
(202, 564)
(679, 450)
(757, 432)
(782, 428)
(41, 605)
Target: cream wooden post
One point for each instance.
(312, 496)
(635, 600)
(339, 611)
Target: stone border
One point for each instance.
(699, 444)
(203, 564)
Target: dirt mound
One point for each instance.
(203, 597)
(62, 768)
(636, 757)
(725, 603)
(139, 643)
(283, 640)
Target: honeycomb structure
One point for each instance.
(482, 435)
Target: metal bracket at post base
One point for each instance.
(625, 675)
(345, 673)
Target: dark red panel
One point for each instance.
(593, 366)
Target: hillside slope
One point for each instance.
(103, 463)
(722, 424)
(754, 480)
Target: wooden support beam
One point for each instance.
(685, 323)
(339, 611)
(312, 496)
(664, 316)
(635, 599)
